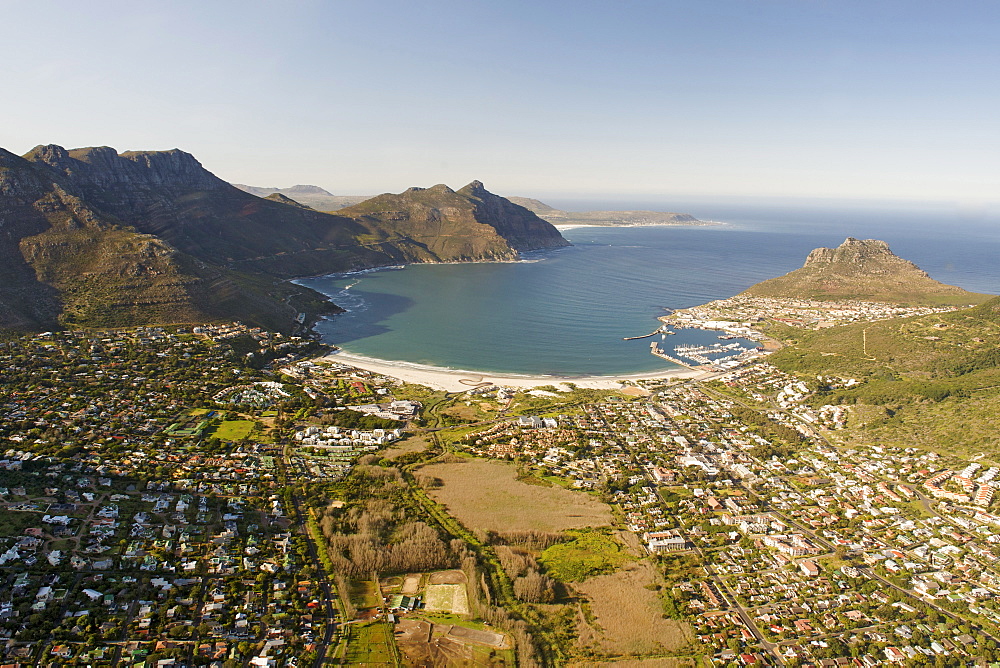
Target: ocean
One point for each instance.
(565, 311)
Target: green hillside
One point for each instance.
(931, 381)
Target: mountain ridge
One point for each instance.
(477, 219)
(97, 238)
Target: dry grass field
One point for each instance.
(450, 598)
(405, 447)
(411, 585)
(629, 617)
(486, 494)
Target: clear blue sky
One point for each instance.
(543, 97)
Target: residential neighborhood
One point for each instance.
(163, 492)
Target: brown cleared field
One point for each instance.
(629, 616)
(426, 644)
(485, 494)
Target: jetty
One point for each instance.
(644, 336)
(658, 330)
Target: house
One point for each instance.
(895, 655)
(668, 544)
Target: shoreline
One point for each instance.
(458, 380)
(700, 223)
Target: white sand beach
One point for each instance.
(453, 380)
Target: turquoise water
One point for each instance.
(565, 311)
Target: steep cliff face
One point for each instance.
(470, 224)
(521, 228)
(864, 270)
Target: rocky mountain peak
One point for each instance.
(51, 154)
(865, 256)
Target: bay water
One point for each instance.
(565, 311)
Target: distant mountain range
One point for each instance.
(97, 238)
(607, 218)
(865, 270)
(312, 196)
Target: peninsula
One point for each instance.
(606, 218)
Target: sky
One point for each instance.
(645, 99)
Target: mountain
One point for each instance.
(539, 207)
(92, 237)
(468, 224)
(282, 199)
(930, 381)
(605, 218)
(312, 196)
(97, 239)
(864, 270)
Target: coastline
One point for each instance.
(701, 223)
(456, 380)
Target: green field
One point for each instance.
(233, 430)
(364, 594)
(371, 644)
(589, 553)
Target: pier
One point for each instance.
(659, 330)
(644, 336)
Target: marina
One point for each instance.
(725, 356)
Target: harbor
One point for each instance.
(726, 356)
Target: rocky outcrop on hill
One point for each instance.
(865, 270)
(863, 257)
(91, 237)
